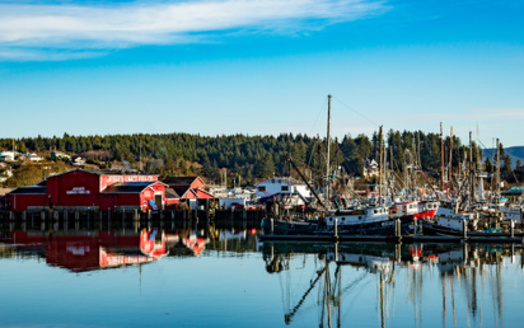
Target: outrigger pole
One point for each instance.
(290, 160)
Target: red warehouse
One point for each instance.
(82, 189)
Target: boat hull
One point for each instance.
(408, 224)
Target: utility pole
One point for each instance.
(328, 151)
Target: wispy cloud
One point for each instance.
(35, 25)
(480, 114)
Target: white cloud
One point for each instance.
(163, 22)
(479, 114)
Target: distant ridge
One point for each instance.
(515, 153)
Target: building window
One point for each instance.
(285, 188)
(262, 188)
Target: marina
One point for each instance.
(268, 163)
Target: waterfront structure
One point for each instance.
(189, 190)
(83, 189)
(283, 186)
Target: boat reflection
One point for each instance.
(465, 273)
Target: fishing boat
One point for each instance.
(365, 221)
(452, 224)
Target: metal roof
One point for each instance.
(180, 181)
(128, 187)
(171, 193)
(30, 190)
(105, 172)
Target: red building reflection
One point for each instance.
(93, 251)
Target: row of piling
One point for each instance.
(133, 215)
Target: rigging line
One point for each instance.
(355, 111)
(321, 111)
(485, 148)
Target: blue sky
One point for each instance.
(261, 67)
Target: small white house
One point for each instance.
(370, 168)
(284, 186)
(5, 172)
(78, 161)
(33, 157)
(59, 155)
(7, 156)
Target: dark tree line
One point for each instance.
(249, 157)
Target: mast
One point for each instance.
(471, 170)
(450, 165)
(441, 158)
(413, 161)
(497, 178)
(381, 164)
(140, 156)
(328, 151)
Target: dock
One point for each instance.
(485, 238)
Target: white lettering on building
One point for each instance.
(78, 191)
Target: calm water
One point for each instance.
(183, 275)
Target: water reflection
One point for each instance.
(280, 284)
(89, 251)
(81, 246)
(463, 272)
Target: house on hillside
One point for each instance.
(59, 155)
(33, 157)
(5, 172)
(8, 156)
(77, 161)
(370, 168)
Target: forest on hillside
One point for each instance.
(250, 157)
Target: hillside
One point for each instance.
(515, 153)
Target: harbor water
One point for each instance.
(200, 275)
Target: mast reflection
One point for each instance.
(465, 273)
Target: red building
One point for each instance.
(83, 189)
(187, 189)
